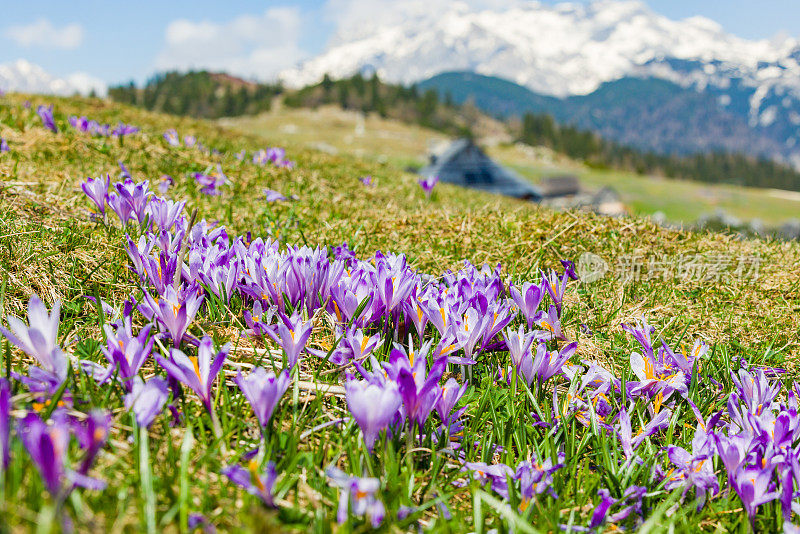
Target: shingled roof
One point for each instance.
(464, 163)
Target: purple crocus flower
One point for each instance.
(189, 140)
(755, 389)
(124, 173)
(692, 470)
(373, 406)
(642, 331)
(519, 347)
(273, 196)
(259, 321)
(732, 451)
(125, 353)
(419, 389)
(263, 390)
(212, 182)
(629, 442)
(555, 286)
(754, 487)
(360, 345)
(165, 213)
(496, 474)
(92, 434)
(450, 395)
(47, 446)
(131, 200)
(97, 190)
(550, 325)
(275, 155)
(260, 484)
(197, 372)
(468, 333)
(549, 363)
(38, 340)
(527, 300)
(120, 207)
(5, 423)
(3, 145)
(197, 520)
(427, 184)
(569, 269)
(147, 399)
(535, 478)
(46, 114)
(123, 129)
(632, 495)
(366, 180)
(357, 496)
(79, 123)
(175, 310)
(171, 137)
(291, 333)
(601, 510)
(655, 376)
(103, 130)
(164, 183)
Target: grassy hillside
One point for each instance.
(400, 145)
(51, 247)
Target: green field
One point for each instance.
(402, 145)
(158, 478)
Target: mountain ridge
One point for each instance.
(678, 120)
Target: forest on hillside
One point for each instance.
(714, 167)
(198, 94)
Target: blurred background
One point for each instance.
(687, 112)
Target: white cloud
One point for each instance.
(358, 18)
(26, 77)
(42, 33)
(256, 46)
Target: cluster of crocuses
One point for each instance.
(47, 439)
(189, 141)
(756, 445)
(455, 320)
(451, 321)
(211, 181)
(173, 139)
(396, 333)
(92, 127)
(268, 156)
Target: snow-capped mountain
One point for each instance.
(26, 77)
(572, 49)
(557, 50)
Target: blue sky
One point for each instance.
(116, 41)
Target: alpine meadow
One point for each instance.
(337, 266)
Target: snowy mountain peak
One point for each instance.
(558, 50)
